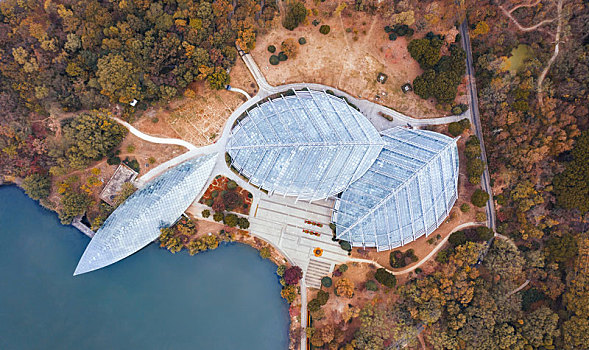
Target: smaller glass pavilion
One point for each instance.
(137, 222)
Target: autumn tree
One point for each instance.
(572, 185)
(290, 47)
(37, 186)
(295, 14)
(344, 288)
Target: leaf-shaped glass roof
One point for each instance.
(406, 193)
(137, 222)
(308, 144)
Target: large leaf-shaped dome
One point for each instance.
(308, 144)
(406, 193)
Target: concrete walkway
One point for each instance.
(153, 139)
(243, 92)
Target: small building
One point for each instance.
(406, 88)
(115, 183)
(382, 78)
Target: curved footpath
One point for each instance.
(153, 139)
(426, 258)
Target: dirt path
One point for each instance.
(426, 258)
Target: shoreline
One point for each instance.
(246, 239)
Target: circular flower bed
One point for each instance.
(318, 251)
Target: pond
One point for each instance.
(519, 56)
(223, 299)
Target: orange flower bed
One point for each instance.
(318, 251)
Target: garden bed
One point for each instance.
(224, 194)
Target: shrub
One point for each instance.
(479, 198)
(455, 129)
(230, 220)
(289, 293)
(218, 216)
(155, 120)
(326, 282)
(342, 268)
(289, 47)
(324, 29)
(410, 254)
(388, 29)
(457, 238)
(271, 48)
(295, 15)
(209, 202)
(243, 223)
(231, 185)
(344, 288)
(443, 256)
(385, 278)
(392, 36)
(345, 245)
(484, 233)
(206, 213)
(265, 253)
(474, 169)
(293, 274)
(282, 56)
(480, 216)
(322, 297)
(465, 208)
(280, 270)
(314, 305)
(274, 60)
(302, 41)
(37, 186)
(371, 286)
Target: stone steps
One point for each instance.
(316, 270)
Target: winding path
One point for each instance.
(426, 258)
(153, 139)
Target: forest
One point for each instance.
(64, 65)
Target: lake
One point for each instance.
(223, 299)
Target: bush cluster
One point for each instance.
(385, 278)
(457, 128)
(479, 198)
(479, 234)
(324, 29)
(474, 164)
(398, 30)
(442, 74)
(399, 259)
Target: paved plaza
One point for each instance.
(281, 221)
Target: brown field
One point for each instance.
(198, 117)
(349, 58)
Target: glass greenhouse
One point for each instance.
(406, 193)
(307, 144)
(137, 222)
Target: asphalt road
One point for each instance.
(476, 120)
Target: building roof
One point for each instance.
(113, 186)
(309, 144)
(137, 222)
(406, 193)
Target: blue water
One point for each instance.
(225, 299)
